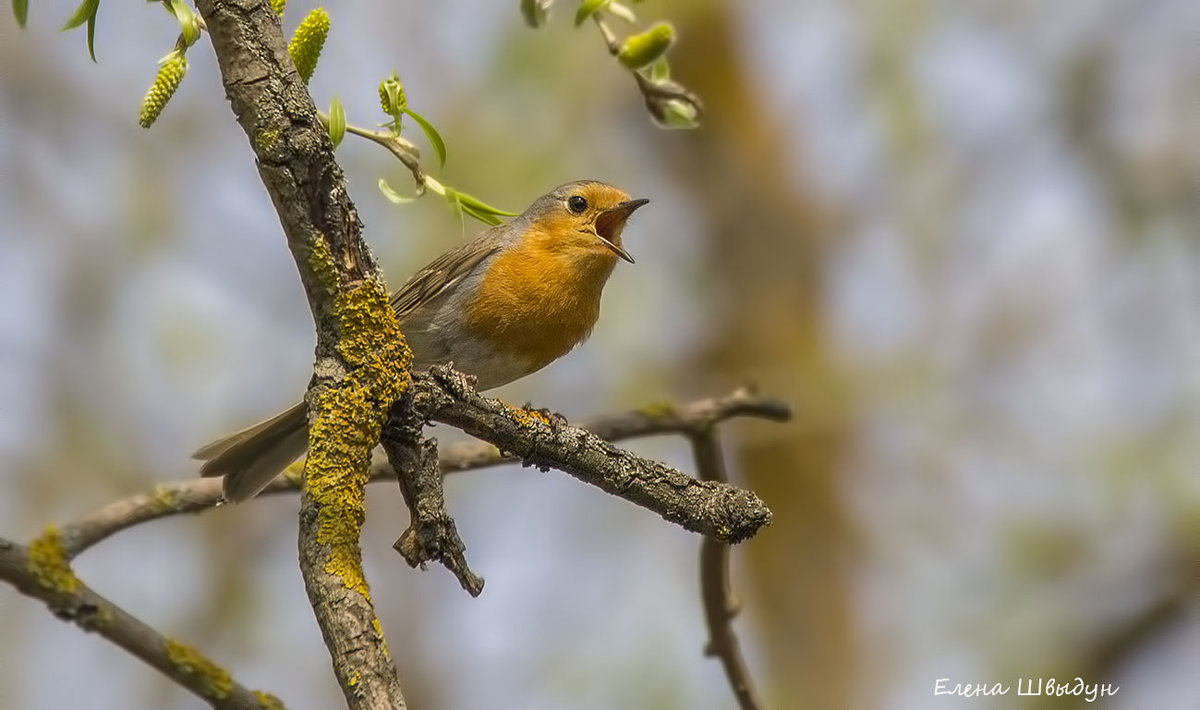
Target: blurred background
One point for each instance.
(961, 238)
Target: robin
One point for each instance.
(502, 306)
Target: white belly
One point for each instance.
(432, 346)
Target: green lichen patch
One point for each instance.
(49, 564)
(214, 679)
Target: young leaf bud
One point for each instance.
(676, 113)
(644, 49)
(391, 96)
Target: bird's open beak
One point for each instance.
(609, 224)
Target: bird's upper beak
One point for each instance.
(610, 222)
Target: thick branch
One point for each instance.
(41, 571)
(198, 495)
(707, 507)
(362, 362)
(716, 591)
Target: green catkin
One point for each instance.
(170, 74)
(306, 44)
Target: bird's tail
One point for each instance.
(253, 457)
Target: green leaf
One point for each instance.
(587, 8)
(660, 70)
(451, 196)
(189, 25)
(482, 207)
(431, 133)
(85, 11)
(20, 10)
(337, 121)
(91, 33)
(535, 12)
(394, 197)
(484, 217)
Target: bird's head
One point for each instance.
(586, 215)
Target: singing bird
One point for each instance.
(502, 306)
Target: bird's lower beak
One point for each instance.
(610, 222)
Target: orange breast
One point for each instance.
(539, 300)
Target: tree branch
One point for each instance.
(42, 571)
(707, 507)
(200, 494)
(431, 533)
(362, 361)
(720, 606)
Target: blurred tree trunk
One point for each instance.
(766, 258)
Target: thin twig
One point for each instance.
(41, 571)
(164, 500)
(200, 494)
(431, 534)
(654, 93)
(720, 605)
(404, 150)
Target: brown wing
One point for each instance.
(427, 283)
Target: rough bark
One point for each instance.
(361, 361)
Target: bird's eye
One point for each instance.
(577, 204)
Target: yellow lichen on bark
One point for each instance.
(320, 259)
(268, 701)
(266, 140)
(350, 415)
(49, 564)
(530, 417)
(659, 410)
(379, 632)
(167, 498)
(191, 663)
